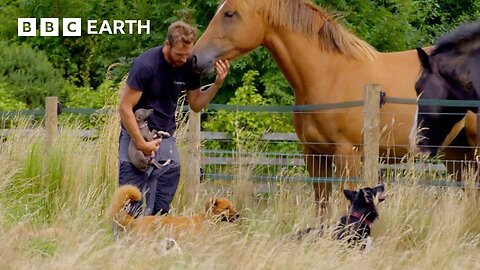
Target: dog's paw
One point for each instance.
(368, 243)
(312, 233)
(161, 134)
(168, 246)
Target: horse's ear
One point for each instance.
(424, 59)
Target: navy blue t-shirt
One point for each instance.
(161, 85)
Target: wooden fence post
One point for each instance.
(371, 135)
(194, 155)
(51, 124)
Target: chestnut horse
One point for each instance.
(324, 63)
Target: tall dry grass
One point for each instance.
(52, 216)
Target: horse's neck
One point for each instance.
(304, 64)
(314, 74)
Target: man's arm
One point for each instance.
(198, 99)
(128, 100)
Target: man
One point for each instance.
(155, 81)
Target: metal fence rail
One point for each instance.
(267, 166)
(278, 167)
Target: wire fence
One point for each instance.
(264, 165)
(279, 167)
(290, 167)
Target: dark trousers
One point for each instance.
(158, 186)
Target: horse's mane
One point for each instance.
(463, 36)
(304, 17)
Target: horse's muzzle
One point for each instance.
(203, 60)
(195, 65)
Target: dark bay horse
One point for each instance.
(451, 71)
(324, 63)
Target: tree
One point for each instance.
(27, 74)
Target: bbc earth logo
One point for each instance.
(72, 27)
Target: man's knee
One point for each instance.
(167, 184)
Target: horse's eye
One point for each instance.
(229, 14)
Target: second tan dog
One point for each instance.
(218, 209)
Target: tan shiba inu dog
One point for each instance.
(217, 209)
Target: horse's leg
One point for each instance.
(320, 166)
(347, 163)
(456, 154)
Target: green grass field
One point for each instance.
(53, 204)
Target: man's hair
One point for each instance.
(181, 32)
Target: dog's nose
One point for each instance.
(234, 217)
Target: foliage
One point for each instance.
(247, 128)
(87, 97)
(53, 216)
(8, 101)
(28, 74)
(394, 25)
(389, 25)
(69, 188)
(104, 97)
(45, 179)
(84, 59)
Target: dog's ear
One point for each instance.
(378, 192)
(212, 202)
(350, 194)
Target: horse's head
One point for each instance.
(434, 122)
(236, 29)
